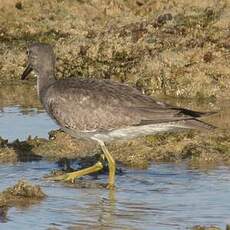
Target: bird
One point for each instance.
(102, 110)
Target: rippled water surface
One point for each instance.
(164, 197)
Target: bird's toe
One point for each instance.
(110, 186)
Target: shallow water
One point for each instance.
(24, 122)
(166, 196)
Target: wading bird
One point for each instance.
(102, 110)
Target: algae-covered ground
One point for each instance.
(22, 194)
(198, 149)
(176, 48)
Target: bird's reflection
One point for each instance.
(104, 210)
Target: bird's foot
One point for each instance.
(67, 177)
(110, 186)
(70, 177)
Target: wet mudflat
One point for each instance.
(164, 195)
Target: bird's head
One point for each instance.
(41, 59)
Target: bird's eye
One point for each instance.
(27, 52)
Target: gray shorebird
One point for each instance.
(102, 110)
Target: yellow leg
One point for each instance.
(111, 163)
(73, 175)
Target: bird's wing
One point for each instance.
(88, 105)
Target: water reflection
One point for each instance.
(17, 93)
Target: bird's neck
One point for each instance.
(44, 80)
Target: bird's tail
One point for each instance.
(193, 113)
(197, 124)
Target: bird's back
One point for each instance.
(96, 105)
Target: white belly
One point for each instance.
(137, 131)
(128, 132)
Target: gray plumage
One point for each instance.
(102, 109)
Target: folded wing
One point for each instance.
(87, 105)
